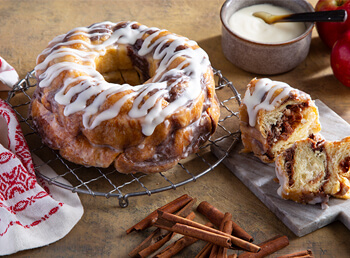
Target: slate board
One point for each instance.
(258, 177)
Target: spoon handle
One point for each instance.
(323, 16)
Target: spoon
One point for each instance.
(324, 16)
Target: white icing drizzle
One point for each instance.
(254, 103)
(91, 83)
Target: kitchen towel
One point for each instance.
(8, 75)
(33, 213)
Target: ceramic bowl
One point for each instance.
(265, 58)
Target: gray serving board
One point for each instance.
(259, 178)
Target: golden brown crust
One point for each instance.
(338, 164)
(120, 140)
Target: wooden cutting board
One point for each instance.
(259, 178)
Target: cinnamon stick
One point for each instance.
(156, 245)
(215, 216)
(205, 252)
(301, 254)
(151, 249)
(179, 245)
(160, 236)
(232, 256)
(215, 250)
(222, 252)
(175, 223)
(152, 240)
(200, 234)
(268, 247)
(171, 207)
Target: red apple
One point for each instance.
(330, 32)
(340, 59)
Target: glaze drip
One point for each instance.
(261, 98)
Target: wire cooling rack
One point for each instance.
(108, 182)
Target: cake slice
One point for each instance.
(273, 115)
(314, 169)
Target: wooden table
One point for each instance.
(27, 27)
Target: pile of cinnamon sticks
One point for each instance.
(220, 233)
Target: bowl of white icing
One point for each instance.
(257, 47)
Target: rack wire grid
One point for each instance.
(108, 182)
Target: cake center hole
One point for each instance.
(121, 65)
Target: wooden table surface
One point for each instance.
(27, 27)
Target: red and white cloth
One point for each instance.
(32, 212)
(8, 75)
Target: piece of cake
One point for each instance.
(273, 115)
(314, 169)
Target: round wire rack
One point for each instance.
(108, 182)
